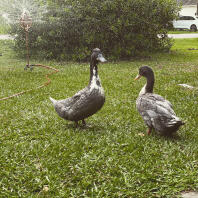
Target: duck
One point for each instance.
(156, 111)
(87, 101)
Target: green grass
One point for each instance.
(4, 29)
(186, 46)
(42, 155)
(181, 32)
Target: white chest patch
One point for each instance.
(96, 84)
(143, 90)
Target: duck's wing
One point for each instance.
(156, 111)
(161, 102)
(64, 107)
(70, 102)
(85, 100)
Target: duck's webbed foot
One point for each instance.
(83, 123)
(149, 131)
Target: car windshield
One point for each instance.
(186, 18)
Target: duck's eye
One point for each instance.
(143, 72)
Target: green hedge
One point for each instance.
(121, 28)
(4, 27)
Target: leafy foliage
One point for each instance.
(121, 28)
(4, 28)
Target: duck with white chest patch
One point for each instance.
(156, 112)
(87, 101)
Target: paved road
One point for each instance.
(192, 35)
(6, 37)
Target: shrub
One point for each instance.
(4, 27)
(121, 28)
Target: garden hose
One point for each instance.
(26, 23)
(41, 86)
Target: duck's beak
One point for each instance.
(101, 58)
(137, 77)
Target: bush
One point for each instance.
(121, 28)
(4, 27)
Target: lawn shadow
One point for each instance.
(89, 127)
(173, 138)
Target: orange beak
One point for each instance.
(138, 77)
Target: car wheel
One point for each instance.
(193, 28)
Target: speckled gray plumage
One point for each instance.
(156, 112)
(85, 102)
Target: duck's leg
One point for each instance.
(83, 122)
(149, 130)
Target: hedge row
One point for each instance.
(121, 28)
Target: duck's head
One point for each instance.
(145, 71)
(97, 56)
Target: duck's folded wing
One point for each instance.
(65, 107)
(156, 111)
(70, 102)
(160, 101)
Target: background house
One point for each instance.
(189, 7)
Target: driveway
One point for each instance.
(6, 37)
(175, 36)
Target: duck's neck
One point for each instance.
(93, 71)
(148, 87)
(150, 84)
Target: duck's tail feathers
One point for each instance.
(53, 100)
(178, 121)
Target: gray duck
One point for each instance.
(87, 101)
(156, 112)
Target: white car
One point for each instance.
(186, 22)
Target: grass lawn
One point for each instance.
(4, 29)
(182, 32)
(42, 155)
